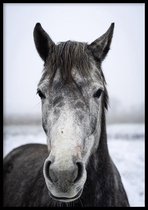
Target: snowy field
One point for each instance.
(126, 145)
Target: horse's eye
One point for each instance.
(97, 94)
(42, 96)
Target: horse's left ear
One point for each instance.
(42, 41)
(101, 46)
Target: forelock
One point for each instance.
(68, 55)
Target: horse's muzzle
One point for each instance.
(64, 184)
(69, 176)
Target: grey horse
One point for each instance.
(75, 167)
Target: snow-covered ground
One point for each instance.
(126, 145)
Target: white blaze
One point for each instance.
(65, 137)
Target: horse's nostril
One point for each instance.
(80, 171)
(50, 172)
(47, 166)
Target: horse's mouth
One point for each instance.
(66, 199)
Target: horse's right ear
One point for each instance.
(101, 46)
(42, 41)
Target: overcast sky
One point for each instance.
(123, 67)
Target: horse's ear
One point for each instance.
(101, 46)
(42, 41)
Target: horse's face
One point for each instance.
(71, 118)
(70, 121)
